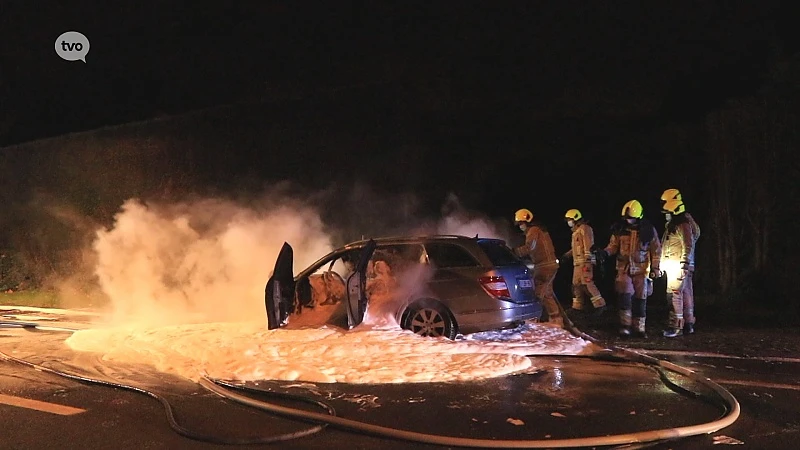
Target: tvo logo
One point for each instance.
(72, 46)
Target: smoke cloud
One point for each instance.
(208, 259)
(456, 219)
(360, 211)
(199, 261)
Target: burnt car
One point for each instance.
(438, 285)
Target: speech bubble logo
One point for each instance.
(72, 46)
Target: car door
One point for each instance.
(279, 293)
(356, 286)
(456, 271)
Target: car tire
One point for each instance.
(431, 319)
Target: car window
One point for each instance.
(343, 263)
(447, 255)
(399, 255)
(498, 254)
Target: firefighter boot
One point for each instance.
(599, 306)
(673, 332)
(624, 304)
(624, 322)
(676, 325)
(688, 314)
(638, 328)
(577, 306)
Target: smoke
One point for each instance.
(208, 259)
(395, 286)
(205, 260)
(362, 212)
(456, 219)
(357, 211)
(74, 282)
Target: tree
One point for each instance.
(752, 144)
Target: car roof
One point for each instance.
(418, 240)
(399, 240)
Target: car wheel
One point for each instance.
(429, 318)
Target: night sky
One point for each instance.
(480, 98)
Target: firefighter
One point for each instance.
(635, 243)
(583, 262)
(674, 194)
(680, 237)
(539, 248)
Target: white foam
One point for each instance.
(246, 352)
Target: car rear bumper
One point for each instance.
(474, 321)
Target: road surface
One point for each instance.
(568, 398)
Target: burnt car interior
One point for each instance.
(326, 286)
(320, 296)
(389, 262)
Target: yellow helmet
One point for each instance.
(671, 194)
(674, 207)
(573, 214)
(633, 209)
(523, 215)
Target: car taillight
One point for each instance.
(496, 286)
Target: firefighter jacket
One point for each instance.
(538, 246)
(695, 227)
(582, 243)
(680, 237)
(636, 247)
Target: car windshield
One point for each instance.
(498, 253)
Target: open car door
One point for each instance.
(357, 287)
(279, 293)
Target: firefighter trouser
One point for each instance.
(583, 286)
(682, 299)
(636, 284)
(543, 278)
(632, 292)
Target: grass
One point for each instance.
(42, 299)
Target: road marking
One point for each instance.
(39, 406)
(716, 355)
(792, 387)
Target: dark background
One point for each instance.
(543, 105)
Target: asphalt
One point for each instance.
(564, 398)
(729, 334)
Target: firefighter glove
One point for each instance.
(601, 255)
(684, 271)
